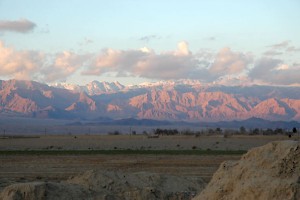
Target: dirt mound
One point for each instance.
(141, 185)
(268, 172)
(43, 190)
(113, 185)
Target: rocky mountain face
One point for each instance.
(188, 101)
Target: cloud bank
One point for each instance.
(145, 63)
(178, 64)
(271, 70)
(223, 66)
(20, 26)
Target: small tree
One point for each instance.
(256, 131)
(242, 130)
(269, 131)
(218, 129)
(294, 130)
(210, 131)
(278, 131)
(114, 133)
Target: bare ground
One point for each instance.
(108, 142)
(25, 168)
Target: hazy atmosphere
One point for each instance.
(227, 42)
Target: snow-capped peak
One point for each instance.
(93, 88)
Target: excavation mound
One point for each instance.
(113, 185)
(44, 190)
(268, 172)
(139, 185)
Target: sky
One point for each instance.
(228, 42)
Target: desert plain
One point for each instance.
(27, 158)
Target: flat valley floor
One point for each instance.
(18, 168)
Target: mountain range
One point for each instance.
(182, 100)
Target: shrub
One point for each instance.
(114, 133)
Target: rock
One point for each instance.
(268, 172)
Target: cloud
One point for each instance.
(292, 49)
(182, 49)
(229, 63)
(86, 41)
(180, 63)
(212, 38)
(225, 66)
(280, 45)
(263, 67)
(272, 53)
(62, 66)
(281, 48)
(19, 64)
(275, 71)
(148, 38)
(20, 26)
(234, 80)
(37, 65)
(145, 63)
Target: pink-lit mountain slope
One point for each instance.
(162, 101)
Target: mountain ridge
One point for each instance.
(173, 101)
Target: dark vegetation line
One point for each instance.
(122, 152)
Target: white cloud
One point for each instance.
(180, 63)
(282, 67)
(21, 25)
(183, 48)
(146, 50)
(226, 66)
(37, 65)
(229, 63)
(19, 64)
(145, 63)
